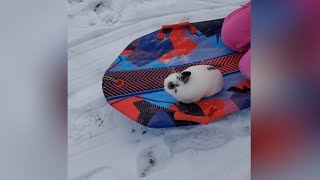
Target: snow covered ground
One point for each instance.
(104, 144)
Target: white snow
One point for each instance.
(103, 143)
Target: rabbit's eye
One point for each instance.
(171, 85)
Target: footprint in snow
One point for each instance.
(241, 124)
(152, 159)
(201, 138)
(95, 174)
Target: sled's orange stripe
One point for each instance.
(245, 83)
(213, 109)
(126, 52)
(131, 112)
(185, 117)
(181, 43)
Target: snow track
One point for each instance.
(104, 144)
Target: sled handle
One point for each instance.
(119, 83)
(180, 116)
(116, 82)
(192, 29)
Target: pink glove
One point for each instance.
(236, 34)
(245, 65)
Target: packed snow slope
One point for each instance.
(104, 144)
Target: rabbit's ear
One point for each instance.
(211, 68)
(185, 76)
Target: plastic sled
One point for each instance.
(133, 84)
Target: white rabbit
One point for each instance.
(194, 83)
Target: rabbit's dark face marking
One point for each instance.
(173, 86)
(173, 82)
